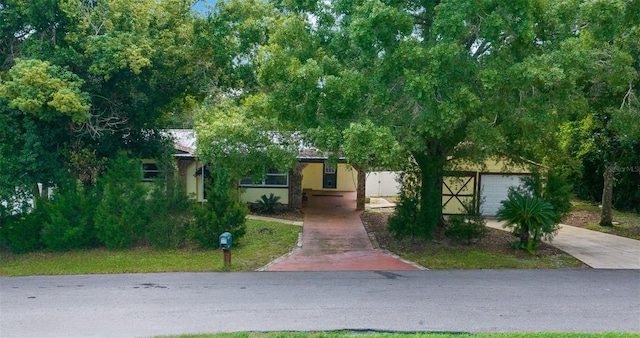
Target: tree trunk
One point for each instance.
(361, 188)
(35, 190)
(295, 187)
(431, 172)
(607, 197)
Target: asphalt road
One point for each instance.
(459, 301)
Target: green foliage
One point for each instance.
(20, 233)
(222, 212)
(268, 205)
(553, 187)
(40, 88)
(84, 77)
(170, 215)
(121, 213)
(605, 135)
(30, 152)
(466, 228)
(371, 146)
(71, 216)
(44, 90)
(368, 78)
(228, 133)
(406, 219)
(529, 218)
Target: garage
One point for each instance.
(495, 188)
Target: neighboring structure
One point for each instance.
(490, 183)
(313, 174)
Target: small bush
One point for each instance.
(529, 218)
(21, 233)
(170, 216)
(121, 214)
(70, 223)
(221, 213)
(554, 188)
(466, 229)
(268, 205)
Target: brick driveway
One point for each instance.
(334, 239)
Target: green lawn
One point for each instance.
(263, 242)
(629, 222)
(413, 335)
(448, 259)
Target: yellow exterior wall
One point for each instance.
(347, 178)
(492, 165)
(252, 194)
(313, 172)
(193, 183)
(347, 181)
(312, 176)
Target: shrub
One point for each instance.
(268, 205)
(121, 213)
(70, 222)
(405, 221)
(466, 228)
(170, 216)
(529, 217)
(220, 213)
(554, 188)
(20, 233)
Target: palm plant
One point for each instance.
(268, 205)
(529, 217)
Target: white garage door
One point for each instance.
(495, 188)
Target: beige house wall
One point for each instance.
(193, 183)
(312, 177)
(347, 181)
(492, 165)
(251, 195)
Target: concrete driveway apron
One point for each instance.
(596, 249)
(334, 239)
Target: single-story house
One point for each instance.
(312, 173)
(490, 182)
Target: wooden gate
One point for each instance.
(458, 193)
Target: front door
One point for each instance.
(330, 177)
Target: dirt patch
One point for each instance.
(625, 227)
(582, 218)
(496, 241)
(289, 215)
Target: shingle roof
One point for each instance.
(185, 141)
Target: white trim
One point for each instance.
(263, 184)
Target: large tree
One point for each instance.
(605, 136)
(447, 79)
(82, 80)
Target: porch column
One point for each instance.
(361, 187)
(295, 186)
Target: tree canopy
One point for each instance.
(445, 79)
(82, 80)
(382, 83)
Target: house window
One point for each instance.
(329, 169)
(273, 178)
(150, 171)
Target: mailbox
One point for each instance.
(226, 241)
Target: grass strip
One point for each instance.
(263, 242)
(348, 334)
